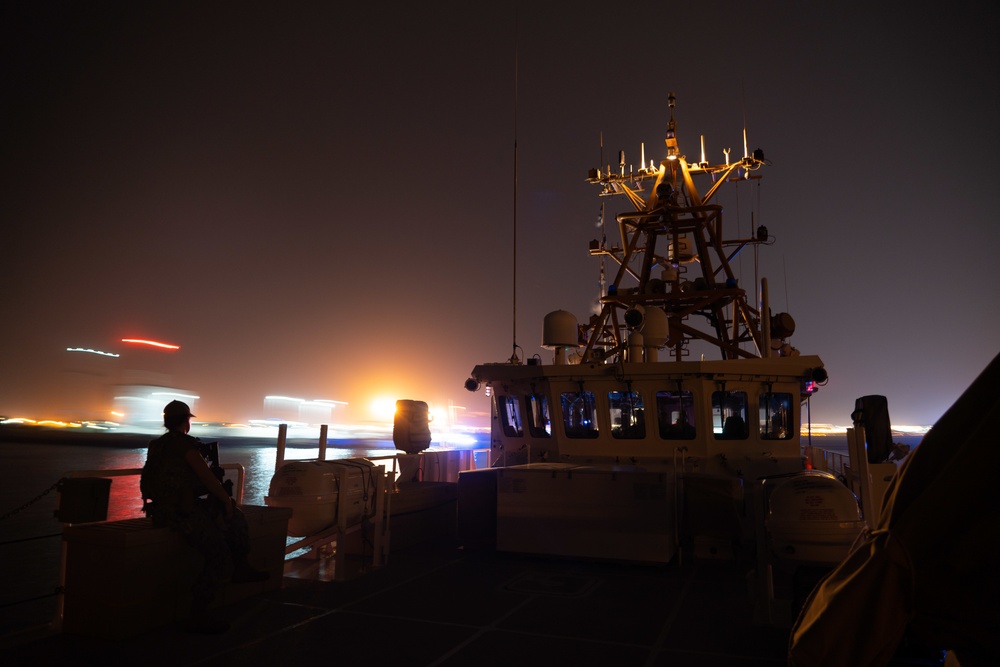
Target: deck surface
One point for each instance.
(441, 604)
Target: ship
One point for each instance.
(669, 423)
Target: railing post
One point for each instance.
(280, 452)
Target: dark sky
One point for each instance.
(317, 199)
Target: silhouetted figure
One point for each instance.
(681, 429)
(735, 428)
(186, 496)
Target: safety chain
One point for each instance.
(34, 500)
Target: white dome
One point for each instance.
(560, 330)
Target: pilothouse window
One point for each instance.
(776, 416)
(729, 415)
(510, 415)
(539, 425)
(579, 414)
(675, 412)
(628, 420)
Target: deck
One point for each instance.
(438, 603)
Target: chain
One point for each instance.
(34, 500)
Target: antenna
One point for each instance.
(513, 357)
(743, 87)
(601, 281)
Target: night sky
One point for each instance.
(318, 199)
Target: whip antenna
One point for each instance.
(513, 357)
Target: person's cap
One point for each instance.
(177, 409)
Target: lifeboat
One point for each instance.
(313, 489)
(812, 519)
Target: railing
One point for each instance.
(837, 463)
(445, 472)
(868, 481)
(239, 469)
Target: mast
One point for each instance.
(675, 256)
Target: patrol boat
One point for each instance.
(669, 422)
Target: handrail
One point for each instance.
(241, 474)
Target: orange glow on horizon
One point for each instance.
(151, 343)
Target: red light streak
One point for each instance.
(151, 343)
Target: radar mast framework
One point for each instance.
(674, 228)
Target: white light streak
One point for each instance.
(174, 393)
(88, 350)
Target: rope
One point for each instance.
(28, 539)
(31, 502)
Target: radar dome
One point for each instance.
(560, 330)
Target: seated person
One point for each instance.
(187, 497)
(682, 429)
(735, 428)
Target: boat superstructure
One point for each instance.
(674, 447)
(607, 396)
